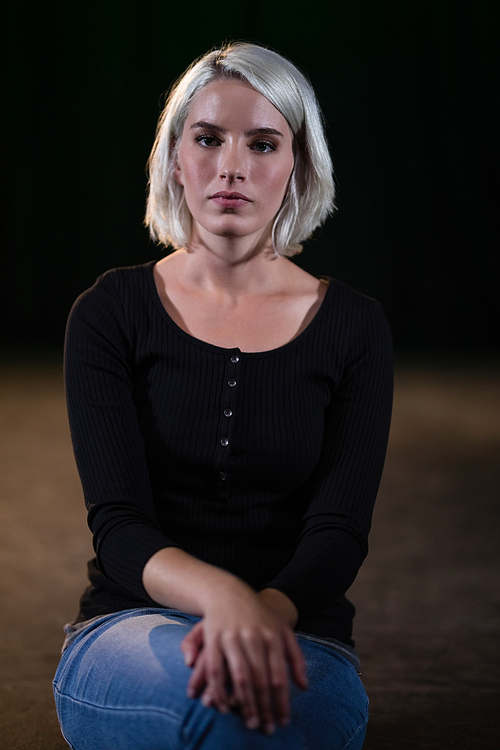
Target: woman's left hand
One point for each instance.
(194, 656)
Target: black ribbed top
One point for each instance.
(265, 464)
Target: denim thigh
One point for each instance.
(122, 682)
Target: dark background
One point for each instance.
(409, 92)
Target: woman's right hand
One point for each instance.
(244, 640)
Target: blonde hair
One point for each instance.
(310, 196)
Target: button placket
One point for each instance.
(227, 418)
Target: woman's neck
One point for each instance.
(231, 269)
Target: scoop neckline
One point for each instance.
(236, 350)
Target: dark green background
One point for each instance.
(410, 96)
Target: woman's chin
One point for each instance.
(234, 232)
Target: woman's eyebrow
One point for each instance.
(264, 131)
(208, 126)
(254, 131)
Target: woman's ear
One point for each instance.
(178, 175)
(177, 172)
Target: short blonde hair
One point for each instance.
(310, 195)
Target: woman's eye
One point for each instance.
(263, 146)
(207, 140)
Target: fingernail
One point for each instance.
(223, 709)
(187, 660)
(252, 723)
(206, 700)
(269, 728)
(285, 721)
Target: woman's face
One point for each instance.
(234, 160)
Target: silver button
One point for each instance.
(224, 442)
(228, 412)
(235, 359)
(231, 383)
(223, 476)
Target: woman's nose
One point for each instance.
(232, 166)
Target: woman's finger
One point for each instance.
(198, 685)
(198, 679)
(256, 651)
(240, 674)
(296, 659)
(278, 678)
(192, 643)
(216, 677)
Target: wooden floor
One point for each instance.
(427, 597)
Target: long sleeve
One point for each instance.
(107, 441)
(343, 487)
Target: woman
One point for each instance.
(229, 414)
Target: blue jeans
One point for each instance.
(121, 685)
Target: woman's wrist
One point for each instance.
(281, 605)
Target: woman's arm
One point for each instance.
(107, 440)
(243, 636)
(342, 489)
(176, 579)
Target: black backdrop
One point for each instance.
(410, 96)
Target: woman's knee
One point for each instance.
(125, 659)
(123, 681)
(333, 712)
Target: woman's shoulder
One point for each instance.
(346, 307)
(353, 319)
(123, 277)
(117, 283)
(116, 299)
(344, 298)
(339, 294)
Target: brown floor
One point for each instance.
(428, 595)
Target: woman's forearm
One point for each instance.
(174, 578)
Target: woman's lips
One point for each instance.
(230, 200)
